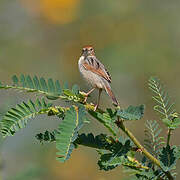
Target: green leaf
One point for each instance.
(65, 86)
(90, 140)
(131, 113)
(52, 90)
(75, 89)
(23, 81)
(43, 84)
(15, 80)
(49, 88)
(163, 104)
(29, 82)
(52, 97)
(46, 136)
(16, 118)
(171, 124)
(58, 88)
(118, 157)
(72, 95)
(109, 162)
(36, 83)
(101, 141)
(168, 157)
(150, 174)
(68, 92)
(167, 122)
(176, 122)
(68, 131)
(107, 118)
(153, 141)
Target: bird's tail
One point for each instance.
(110, 93)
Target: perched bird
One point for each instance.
(95, 73)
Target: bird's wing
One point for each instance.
(92, 64)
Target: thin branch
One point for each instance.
(169, 135)
(120, 124)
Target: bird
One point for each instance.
(96, 74)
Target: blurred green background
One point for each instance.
(135, 39)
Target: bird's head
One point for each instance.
(88, 51)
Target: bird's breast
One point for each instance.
(94, 79)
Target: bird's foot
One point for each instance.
(85, 96)
(85, 99)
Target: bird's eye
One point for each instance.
(91, 49)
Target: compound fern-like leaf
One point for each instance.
(118, 157)
(153, 141)
(161, 97)
(68, 131)
(148, 174)
(107, 118)
(131, 113)
(17, 118)
(168, 157)
(47, 136)
(25, 82)
(51, 89)
(164, 106)
(101, 141)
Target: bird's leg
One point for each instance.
(100, 90)
(87, 94)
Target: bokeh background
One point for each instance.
(135, 39)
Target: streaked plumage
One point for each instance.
(95, 73)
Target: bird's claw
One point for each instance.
(85, 99)
(85, 96)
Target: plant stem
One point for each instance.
(168, 137)
(137, 143)
(120, 124)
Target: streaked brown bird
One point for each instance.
(95, 73)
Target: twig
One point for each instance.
(120, 124)
(168, 137)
